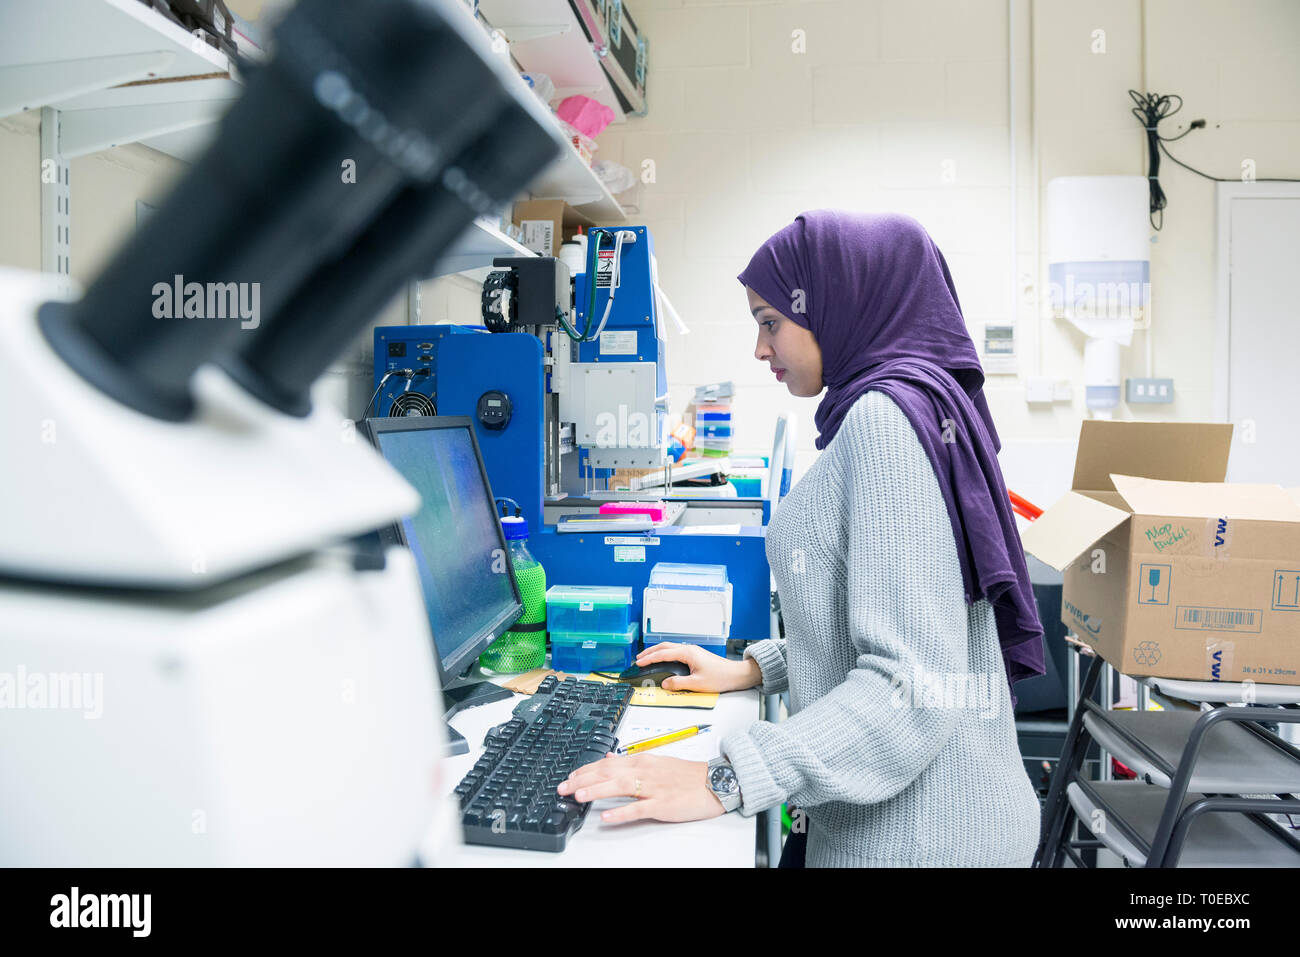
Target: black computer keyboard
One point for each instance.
(508, 798)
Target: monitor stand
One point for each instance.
(462, 693)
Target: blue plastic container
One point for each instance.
(716, 645)
(588, 609)
(579, 653)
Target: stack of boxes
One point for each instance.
(591, 627)
(688, 603)
(713, 419)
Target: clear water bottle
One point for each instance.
(523, 647)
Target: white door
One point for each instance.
(1258, 271)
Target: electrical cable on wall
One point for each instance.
(1150, 109)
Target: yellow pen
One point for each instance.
(668, 738)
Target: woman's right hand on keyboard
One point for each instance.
(709, 672)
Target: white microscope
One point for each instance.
(201, 661)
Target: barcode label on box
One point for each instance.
(539, 235)
(1202, 618)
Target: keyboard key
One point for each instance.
(533, 820)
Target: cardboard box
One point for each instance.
(1168, 570)
(547, 223)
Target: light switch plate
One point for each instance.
(1148, 391)
(1040, 389)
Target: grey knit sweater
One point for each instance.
(900, 745)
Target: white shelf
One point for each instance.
(569, 178)
(545, 37)
(572, 180)
(476, 248)
(76, 54)
(143, 114)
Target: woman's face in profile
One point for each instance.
(787, 347)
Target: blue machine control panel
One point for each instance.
(505, 368)
(416, 348)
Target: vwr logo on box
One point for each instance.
(1090, 624)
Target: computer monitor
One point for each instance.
(469, 585)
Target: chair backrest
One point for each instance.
(780, 467)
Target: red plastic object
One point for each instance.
(1023, 507)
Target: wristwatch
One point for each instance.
(724, 784)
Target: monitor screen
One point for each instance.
(469, 588)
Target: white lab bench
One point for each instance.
(729, 840)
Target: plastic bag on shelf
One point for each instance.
(616, 177)
(542, 85)
(585, 146)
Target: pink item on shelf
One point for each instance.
(654, 509)
(584, 114)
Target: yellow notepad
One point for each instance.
(661, 698)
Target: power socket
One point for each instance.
(1148, 391)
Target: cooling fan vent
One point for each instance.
(411, 403)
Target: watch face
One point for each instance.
(723, 780)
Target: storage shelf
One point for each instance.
(120, 72)
(566, 58)
(476, 248)
(573, 181)
(76, 55)
(145, 114)
(546, 37)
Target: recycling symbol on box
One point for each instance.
(1147, 652)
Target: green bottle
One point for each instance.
(523, 647)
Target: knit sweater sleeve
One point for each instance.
(770, 656)
(905, 616)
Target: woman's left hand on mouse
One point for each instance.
(667, 789)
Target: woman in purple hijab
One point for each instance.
(905, 596)
(875, 294)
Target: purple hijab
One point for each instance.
(876, 293)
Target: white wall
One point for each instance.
(745, 133)
(105, 188)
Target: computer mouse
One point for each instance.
(652, 676)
